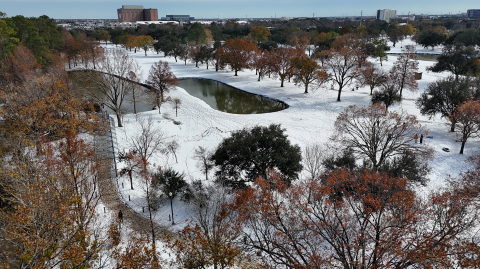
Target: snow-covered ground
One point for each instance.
(309, 119)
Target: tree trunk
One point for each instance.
(152, 227)
(171, 206)
(119, 119)
(158, 104)
(306, 88)
(131, 180)
(235, 72)
(452, 127)
(134, 104)
(463, 146)
(339, 93)
(281, 84)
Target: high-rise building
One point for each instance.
(386, 14)
(473, 13)
(136, 13)
(150, 14)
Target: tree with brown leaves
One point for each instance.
(211, 239)
(44, 105)
(355, 220)
(281, 63)
(144, 41)
(307, 71)
(467, 117)
(237, 53)
(53, 221)
(161, 80)
(70, 46)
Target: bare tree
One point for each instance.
(343, 64)
(161, 80)
(377, 134)
(112, 88)
(372, 77)
(313, 156)
(202, 155)
(150, 139)
(173, 147)
(137, 92)
(176, 104)
(403, 70)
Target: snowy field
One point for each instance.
(309, 119)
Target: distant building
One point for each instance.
(136, 13)
(473, 13)
(178, 18)
(386, 14)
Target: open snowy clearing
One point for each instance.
(309, 119)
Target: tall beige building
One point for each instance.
(136, 13)
(386, 14)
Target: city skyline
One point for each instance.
(107, 9)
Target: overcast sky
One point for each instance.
(107, 9)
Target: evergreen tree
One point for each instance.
(249, 154)
(443, 96)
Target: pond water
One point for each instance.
(216, 94)
(143, 99)
(228, 99)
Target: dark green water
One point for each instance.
(222, 97)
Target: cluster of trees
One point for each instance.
(358, 219)
(456, 97)
(344, 214)
(48, 190)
